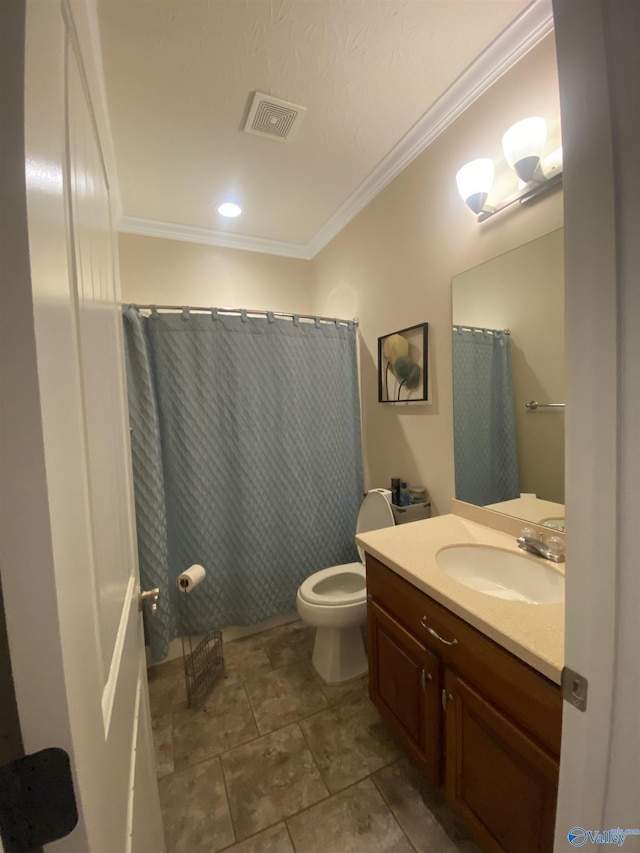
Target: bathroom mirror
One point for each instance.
(520, 293)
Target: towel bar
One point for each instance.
(533, 405)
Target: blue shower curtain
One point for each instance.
(246, 459)
(484, 422)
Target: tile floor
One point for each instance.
(279, 762)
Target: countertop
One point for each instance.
(532, 632)
(531, 508)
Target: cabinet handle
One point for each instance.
(446, 697)
(435, 634)
(424, 677)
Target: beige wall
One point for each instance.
(523, 290)
(392, 267)
(154, 270)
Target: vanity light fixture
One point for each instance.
(229, 209)
(523, 146)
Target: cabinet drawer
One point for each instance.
(526, 695)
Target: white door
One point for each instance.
(69, 565)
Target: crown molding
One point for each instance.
(528, 29)
(523, 34)
(210, 237)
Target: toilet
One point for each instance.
(334, 600)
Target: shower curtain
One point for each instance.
(483, 413)
(246, 459)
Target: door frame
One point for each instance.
(597, 60)
(14, 268)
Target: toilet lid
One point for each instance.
(345, 584)
(375, 513)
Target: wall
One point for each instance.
(392, 267)
(523, 290)
(171, 272)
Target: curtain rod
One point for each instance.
(283, 314)
(479, 329)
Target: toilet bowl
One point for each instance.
(334, 601)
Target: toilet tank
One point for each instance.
(375, 513)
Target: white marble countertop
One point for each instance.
(532, 632)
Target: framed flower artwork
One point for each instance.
(403, 366)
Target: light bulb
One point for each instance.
(523, 145)
(229, 209)
(474, 182)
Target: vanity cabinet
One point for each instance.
(472, 714)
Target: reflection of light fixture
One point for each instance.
(523, 146)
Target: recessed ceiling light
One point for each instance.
(229, 209)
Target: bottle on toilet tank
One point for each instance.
(405, 498)
(395, 491)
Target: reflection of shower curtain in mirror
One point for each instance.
(484, 422)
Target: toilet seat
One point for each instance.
(337, 585)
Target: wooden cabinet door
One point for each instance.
(404, 685)
(500, 781)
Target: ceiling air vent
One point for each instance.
(273, 118)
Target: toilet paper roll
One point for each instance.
(191, 577)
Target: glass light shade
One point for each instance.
(229, 209)
(474, 182)
(523, 145)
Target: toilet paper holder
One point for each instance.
(204, 660)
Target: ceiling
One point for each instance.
(378, 78)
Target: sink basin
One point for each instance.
(502, 574)
(554, 523)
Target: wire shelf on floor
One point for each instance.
(203, 665)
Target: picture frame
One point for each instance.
(403, 363)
